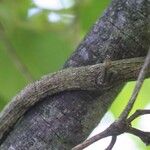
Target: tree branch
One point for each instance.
(137, 88)
(115, 129)
(123, 124)
(122, 32)
(137, 114)
(113, 141)
(88, 78)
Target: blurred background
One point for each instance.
(37, 36)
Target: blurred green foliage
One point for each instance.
(39, 45)
(32, 45)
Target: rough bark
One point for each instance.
(101, 77)
(63, 120)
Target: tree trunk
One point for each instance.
(64, 120)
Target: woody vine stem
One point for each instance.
(123, 123)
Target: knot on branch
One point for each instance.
(119, 127)
(106, 77)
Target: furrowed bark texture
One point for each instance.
(63, 120)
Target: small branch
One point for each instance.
(113, 130)
(117, 128)
(144, 136)
(123, 124)
(112, 143)
(137, 114)
(91, 140)
(137, 88)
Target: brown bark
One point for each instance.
(63, 120)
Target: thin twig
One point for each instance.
(144, 136)
(123, 124)
(117, 128)
(91, 140)
(138, 113)
(112, 143)
(137, 88)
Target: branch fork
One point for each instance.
(124, 123)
